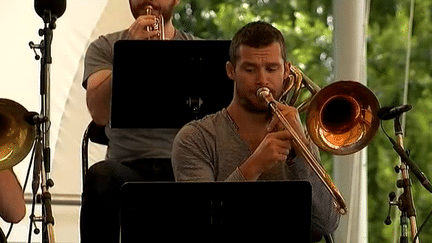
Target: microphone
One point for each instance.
(57, 7)
(413, 167)
(390, 112)
(33, 118)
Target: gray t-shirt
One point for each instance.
(128, 143)
(211, 149)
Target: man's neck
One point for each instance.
(170, 31)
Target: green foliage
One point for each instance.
(387, 46)
(303, 23)
(307, 26)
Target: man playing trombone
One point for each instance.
(245, 142)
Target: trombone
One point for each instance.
(341, 119)
(16, 134)
(19, 133)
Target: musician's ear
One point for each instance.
(287, 70)
(230, 70)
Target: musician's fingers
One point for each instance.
(282, 136)
(282, 151)
(271, 127)
(139, 28)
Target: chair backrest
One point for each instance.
(2, 237)
(94, 133)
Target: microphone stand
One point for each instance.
(43, 151)
(405, 202)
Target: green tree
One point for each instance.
(387, 46)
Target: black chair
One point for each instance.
(2, 237)
(317, 237)
(328, 238)
(96, 134)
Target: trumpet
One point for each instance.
(341, 119)
(159, 25)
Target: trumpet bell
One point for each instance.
(342, 117)
(16, 135)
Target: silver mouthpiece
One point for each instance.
(263, 92)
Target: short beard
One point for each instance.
(254, 108)
(167, 15)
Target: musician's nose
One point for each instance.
(261, 77)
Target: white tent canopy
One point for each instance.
(82, 22)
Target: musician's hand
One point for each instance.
(273, 149)
(276, 145)
(292, 116)
(138, 29)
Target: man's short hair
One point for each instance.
(257, 34)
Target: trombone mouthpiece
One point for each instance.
(263, 92)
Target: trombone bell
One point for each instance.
(342, 117)
(16, 135)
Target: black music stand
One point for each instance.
(216, 212)
(165, 84)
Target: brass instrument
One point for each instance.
(16, 134)
(340, 119)
(159, 25)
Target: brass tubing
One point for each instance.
(339, 201)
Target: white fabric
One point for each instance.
(350, 171)
(82, 22)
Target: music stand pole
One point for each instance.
(407, 203)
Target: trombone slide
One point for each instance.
(339, 201)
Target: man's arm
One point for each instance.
(12, 204)
(99, 60)
(193, 157)
(99, 96)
